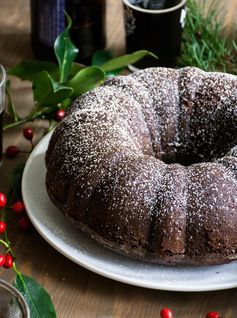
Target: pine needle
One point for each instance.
(203, 43)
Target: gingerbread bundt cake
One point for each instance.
(141, 165)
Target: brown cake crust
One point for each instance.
(139, 164)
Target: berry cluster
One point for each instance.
(28, 133)
(167, 313)
(23, 222)
(12, 151)
(5, 260)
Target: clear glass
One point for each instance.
(2, 100)
(2, 87)
(12, 304)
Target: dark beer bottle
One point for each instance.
(87, 32)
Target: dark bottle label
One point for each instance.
(51, 20)
(87, 31)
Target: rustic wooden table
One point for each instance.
(77, 292)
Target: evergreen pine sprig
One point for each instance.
(203, 44)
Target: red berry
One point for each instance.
(60, 114)
(166, 313)
(28, 133)
(212, 314)
(8, 261)
(12, 151)
(24, 223)
(2, 260)
(2, 227)
(18, 207)
(3, 200)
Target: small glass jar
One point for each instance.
(12, 303)
(2, 100)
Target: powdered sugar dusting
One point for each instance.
(129, 162)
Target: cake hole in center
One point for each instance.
(184, 159)
(192, 158)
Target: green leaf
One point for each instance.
(10, 106)
(47, 92)
(38, 300)
(65, 51)
(101, 57)
(124, 60)
(75, 68)
(27, 70)
(86, 79)
(15, 178)
(65, 103)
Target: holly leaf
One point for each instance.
(65, 51)
(15, 178)
(47, 92)
(75, 68)
(38, 300)
(27, 70)
(10, 106)
(86, 79)
(101, 57)
(123, 61)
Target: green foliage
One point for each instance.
(48, 92)
(15, 180)
(85, 80)
(27, 70)
(56, 86)
(101, 57)
(65, 52)
(122, 61)
(11, 106)
(38, 300)
(204, 45)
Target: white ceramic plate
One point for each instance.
(53, 226)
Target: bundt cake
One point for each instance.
(141, 164)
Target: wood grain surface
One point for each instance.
(75, 291)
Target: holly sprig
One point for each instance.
(56, 85)
(37, 298)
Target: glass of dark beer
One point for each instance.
(2, 99)
(154, 25)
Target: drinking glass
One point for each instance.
(12, 303)
(158, 31)
(2, 99)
